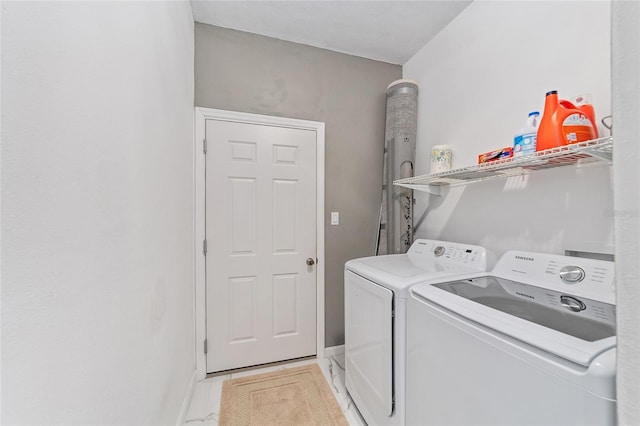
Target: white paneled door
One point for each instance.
(261, 244)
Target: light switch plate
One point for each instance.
(335, 218)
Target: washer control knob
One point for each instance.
(439, 251)
(572, 303)
(572, 274)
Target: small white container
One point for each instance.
(525, 140)
(441, 156)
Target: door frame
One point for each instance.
(200, 301)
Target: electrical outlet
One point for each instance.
(335, 218)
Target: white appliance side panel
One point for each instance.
(399, 360)
(369, 345)
(457, 378)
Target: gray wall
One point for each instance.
(245, 72)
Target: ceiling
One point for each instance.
(389, 31)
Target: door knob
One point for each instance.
(310, 262)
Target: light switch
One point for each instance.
(335, 218)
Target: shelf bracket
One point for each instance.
(602, 155)
(431, 189)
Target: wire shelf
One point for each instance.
(597, 150)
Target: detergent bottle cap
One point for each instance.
(552, 92)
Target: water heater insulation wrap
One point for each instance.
(400, 147)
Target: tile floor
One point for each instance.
(205, 402)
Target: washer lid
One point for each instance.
(573, 328)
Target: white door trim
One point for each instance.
(202, 114)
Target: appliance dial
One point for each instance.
(572, 303)
(572, 274)
(439, 251)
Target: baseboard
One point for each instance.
(333, 351)
(187, 400)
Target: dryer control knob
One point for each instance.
(439, 251)
(572, 274)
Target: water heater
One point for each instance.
(400, 150)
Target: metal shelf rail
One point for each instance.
(597, 150)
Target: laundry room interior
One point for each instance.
(314, 212)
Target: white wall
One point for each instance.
(478, 79)
(626, 110)
(97, 217)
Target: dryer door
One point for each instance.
(369, 345)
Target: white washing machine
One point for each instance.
(531, 343)
(375, 320)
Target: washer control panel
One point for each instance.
(590, 278)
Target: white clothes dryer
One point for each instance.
(375, 320)
(531, 343)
